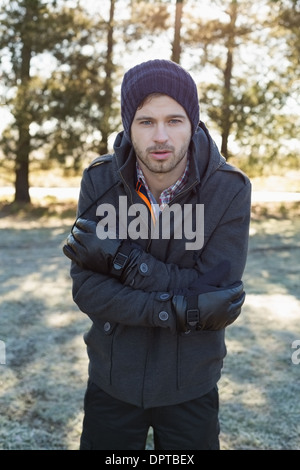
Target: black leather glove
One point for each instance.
(107, 256)
(212, 310)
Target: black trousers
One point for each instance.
(111, 424)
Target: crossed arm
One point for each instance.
(105, 284)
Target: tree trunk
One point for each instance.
(22, 166)
(226, 122)
(176, 49)
(22, 118)
(226, 113)
(105, 127)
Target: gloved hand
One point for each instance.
(107, 256)
(212, 310)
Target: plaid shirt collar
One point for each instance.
(167, 194)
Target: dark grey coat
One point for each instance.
(133, 355)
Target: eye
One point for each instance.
(146, 123)
(175, 121)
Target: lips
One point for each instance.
(160, 154)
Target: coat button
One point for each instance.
(144, 268)
(106, 326)
(163, 315)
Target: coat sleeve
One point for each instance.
(226, 241)
(159, 276)
(104, 298)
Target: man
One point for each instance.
(158, 252)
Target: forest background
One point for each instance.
(61, 67)
(62, 63)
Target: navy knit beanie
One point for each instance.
(158, 76)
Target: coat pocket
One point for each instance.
(99, 341)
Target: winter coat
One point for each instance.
(133, 355)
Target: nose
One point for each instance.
(160, 133)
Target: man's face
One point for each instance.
(161, 134)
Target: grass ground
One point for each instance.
(43, 380)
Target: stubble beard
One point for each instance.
(160, 166)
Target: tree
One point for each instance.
(65, 110)
(19, 37)
(242, 48)
(289, 20)
(29, 28)
(82, 91)
(219, 41)
(68, 110)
